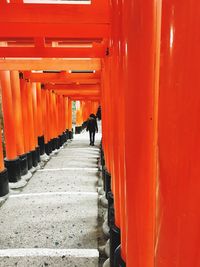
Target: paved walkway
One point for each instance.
(53, 220)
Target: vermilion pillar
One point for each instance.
(12, 162)
(77, 113)
(70, 118)
(177, 237)
(4, 189)
(84, 111)
(60, 116)
(106, 112)
(2, 168)
(26, 128)
(16, 98)
(53, 134)
(30, 88)
(56, 121)
(18, 121)
(64, 135)
(118, 232)
(44, 116)
(79, 118)
(40, 119)
(35, 120)
(48, 124)
(9, 130)
(50, 118)
(142, 37)
(67, 121)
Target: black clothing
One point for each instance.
(92, 137)
(92, 128)
(92, 124)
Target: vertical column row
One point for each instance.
(36, 122)
(155, 173)
(130, 114)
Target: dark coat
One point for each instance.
(92, 125)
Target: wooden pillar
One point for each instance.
(48, 123)
(60, 113)
(9, 126)
(23, 87)
(12, 162)
(17, 114)
(66, 108)
(35, 112)
(70, 114)
(31, 88)
(36, 120)
(84, 111)
(32, 143)
(4, 188)
(56, 114)
(178, 213)
(18, 121)
(40, 122)
(2, 167)
(141, 28)
(45, 120)
(39, 110)
(78, 114)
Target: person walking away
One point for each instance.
(92, 128)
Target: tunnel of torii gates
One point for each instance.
(140, 60)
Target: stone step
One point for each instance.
(49, 257)
(53, 221)
(63, 181)
(47, 220)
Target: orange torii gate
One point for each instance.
(140, 61)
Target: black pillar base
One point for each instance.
(13, 167)
(84, 125)
(70, 134)
(47, 148)
(30, 160)
(107, 182)
(53, 144)
(23, 164)
(64, 137)
(103, 177)
(34, 158)
(41, 144)
(114, 242)
(118, 261)
(60, 140)
(102, 159)
(4, 188)
(67, 134)
(57, 143)
(111, 212)
(78, 129)
(38, 154)
(50, 146)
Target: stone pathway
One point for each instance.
(53, 221)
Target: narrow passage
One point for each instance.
(53, 220)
